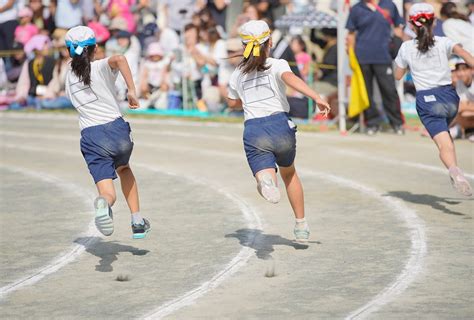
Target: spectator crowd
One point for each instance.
(182, 53)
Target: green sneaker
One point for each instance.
(140, 230)
(104, 220)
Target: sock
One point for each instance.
(301, 223)
(137, 218)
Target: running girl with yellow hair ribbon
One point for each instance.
(259, 85)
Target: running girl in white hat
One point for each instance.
(436, 99)
(105, 136)
(259, 85)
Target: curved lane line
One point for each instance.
(65, 258)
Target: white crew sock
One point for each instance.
(301, 224)
(137, 218)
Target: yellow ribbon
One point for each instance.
(253, 43)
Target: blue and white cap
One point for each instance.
(78, 38)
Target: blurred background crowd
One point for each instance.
(182, 52)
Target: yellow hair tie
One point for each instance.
(253, 43)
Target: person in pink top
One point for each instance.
(303, 59)
(26, 29)
(123, 9)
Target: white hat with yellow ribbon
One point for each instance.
(253, 34)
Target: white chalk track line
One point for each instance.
(62, 259)
(171, 133)
(412, 267)
(416, 228)
(250, 215)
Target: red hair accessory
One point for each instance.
(420, 18)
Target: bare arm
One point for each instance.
(234, 103)
(120, 62)
(7, 6)
(466, 56)
(350, 40)
(399, 72)
(299, 85)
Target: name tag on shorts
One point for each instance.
(430, 98)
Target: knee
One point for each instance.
(287, 173)
(111, 197)
(123, 169)
(447, 147)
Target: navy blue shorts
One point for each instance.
(270, 141)
(437, 108)
(106, 147)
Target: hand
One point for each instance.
(323, 106)
(132, 100)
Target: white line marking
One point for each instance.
(250, 215)
(415, 165)
(62, 259)
(416, 228)
(253, 222)
(412, 267)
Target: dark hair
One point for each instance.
(424, 35)
(252, 63)
(81, 65)
(449, 10)
(300, 41)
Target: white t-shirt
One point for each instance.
(461, 32)
(262, 93)
(465, 93)
(431, 69)
(10, 14)
(96, 103)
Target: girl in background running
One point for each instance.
(436, 99)
(105, 136)
(259, 85)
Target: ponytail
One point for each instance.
(424, 35)
(255, 63)
(81, 64)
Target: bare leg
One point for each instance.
(267, 185)
(294, 189)
(107, 190)
(447, 152)
(129, 187)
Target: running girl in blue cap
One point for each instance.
(105, 136)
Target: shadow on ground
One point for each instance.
(107, 251)
(437, 203)
(262, 243)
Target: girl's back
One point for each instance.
(96, 103)
(429, 69)
(263, 93)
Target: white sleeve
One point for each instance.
(449, 45)
(232, 92)
(401, 60)
(105, 70)
(281, 66)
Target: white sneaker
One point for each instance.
(459, 182)
(268, 189)
(104, 220)
(301, 233)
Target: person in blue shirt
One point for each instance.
(370, 25)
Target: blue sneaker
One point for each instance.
(140, 230)
(104, 220)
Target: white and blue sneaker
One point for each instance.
(104, 220)
(301, 232)
(268, 188)
(140, 230)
